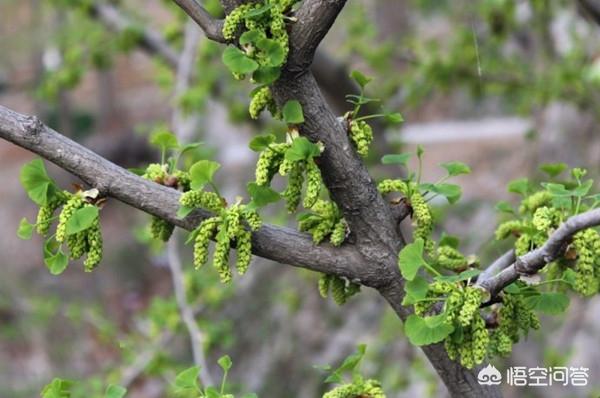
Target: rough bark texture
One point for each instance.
(372, 259)
(349, 183)
(535, 260)
(280, 244)
(346, 177)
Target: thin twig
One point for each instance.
(187, 314)
(185, 68)
(537, 259)
(501, 263)
(150, 40)
(211, 27)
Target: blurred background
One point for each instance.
(502, 85)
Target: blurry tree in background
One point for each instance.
(179, 94)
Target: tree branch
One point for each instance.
(179, 123)
(332, 76)
(350, 185)
(150, 40)
(592, 8)
(535, 260)
(213, 28)
(276, 243)
(461, 382)
(315, 18)
(187, 313)
(501, 263)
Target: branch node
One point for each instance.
(522, 267)
(32, 125)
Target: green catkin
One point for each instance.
(531, 203)
(201, 199)
(161, 229)
(313, 184)
(77, 244)
(232, 220)
(183, 180)
(423, 307)
(545, 218)
(436, 289)
(470, 307)
(453, 305)
(325, 220)
(359, 389)
(252, 218)
(321, 231)
(462, 308)
(481, 339)
(278, 30)
(45, 214)
(234, 20)
(94, 244)
(260, 100)
(221, 256)
(324, 284)
(339, 233)
(523, 244)
(74, 203)
(388, 186)
(286, 166)
(362, 136)
(465, 350)
(440, 287)
(586, 243)
(230, 227)
(244, 250)
(452, 348)
(206, 231)
(423, 219)
(269, 162)
(450, 258)
(514, 317)
(156, 172)
(338, 290)
(509, 228)
(293, 192)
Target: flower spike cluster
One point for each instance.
(341, 289)
(178, 179)
(87, 241)
(273, 160)
(231, 225)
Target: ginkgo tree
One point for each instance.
(459, 311)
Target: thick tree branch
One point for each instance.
(535, 260)
(344, 174)
(315, 17)
(592, 8)
(332, 76)
(212, 27)
(460, 382)
(276, 243)
(350, 185)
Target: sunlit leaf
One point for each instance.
(292, 112)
